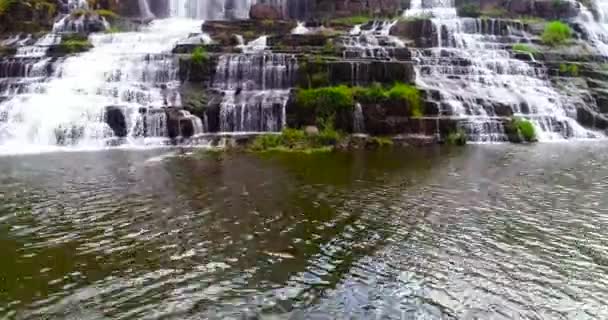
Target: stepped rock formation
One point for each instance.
(170, 81)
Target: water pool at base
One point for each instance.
(482, 232)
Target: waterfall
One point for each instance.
(371, 41)
(255, 86)
(211, 9)
(479, 82)
(358, 119)
(144, 9)
(47, 102)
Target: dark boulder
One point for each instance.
(262, 11)
(115, 118)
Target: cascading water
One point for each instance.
(211, 9)
(133, 72)
(478, 81)
(373, 41)
(255, 87)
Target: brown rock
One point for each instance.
(262, 11)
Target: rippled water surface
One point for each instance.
(482, 232)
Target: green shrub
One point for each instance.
(107, 14)
(292, 137)
(522, 47)
(569, 70)
(556, 33)
(199, 55)
(79, 13)
(113, 29)
(328, 136)
(470, 10)
(352, 20)
(329, 48)
(382, 141)
(266, 142)
(494, 13)
(319, 79)
(410, 95)
(456, 138)
(75, 45)
(5, 5)
(296, 140)
(375, 93)
(523, 128)
(325, 101)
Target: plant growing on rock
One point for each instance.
(469, 10)
(456, 138)
(199, 56)
(325, 102)
(569, 70)
(523, 128)
(408, 94)
(556, 33)
(522, 47)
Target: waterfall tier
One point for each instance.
(255, 89)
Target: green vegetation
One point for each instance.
(569, 70)
(470, 10)
(329, 101)
(329, 48)
(293, 140)
(456, 138)
(556, 33)
(114, 29)
(352, 20)
(326, 101)
(398, 93)
(107, 14)
(382, 141)
(74, 43)
(494, 13)
(523, 128)
(28, 16)
(267, 23)
(530, 20)
(199, 56)
(522, 47)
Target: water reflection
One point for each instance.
(492, 232)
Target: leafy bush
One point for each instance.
(556, 33)
(266, 142)
(352, 20)
(328, 136)
(457, 138)
(409, 94)
(523, 128)
(522, 47)
(372, 94)
(296, 140)
(319, 79)
(5, 5)
(329, 48)
(107, 14)
(326, 101)
(569, 70)
(199, 55)
(494, 13)
(470, 10)
(382, 141)
(75, 44)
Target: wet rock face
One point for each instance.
(115, 118)
(262, 11)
